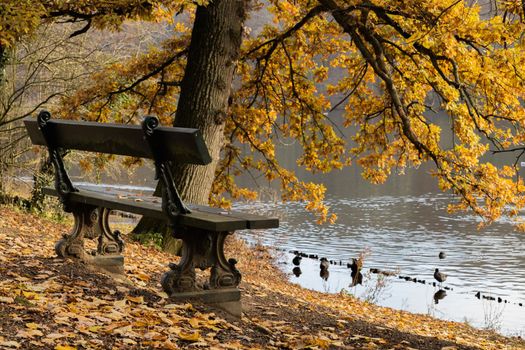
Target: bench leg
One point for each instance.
(108, 242)
(72, 244)
(181, 277)
(202, 249)
(91, 222)
(223, 272)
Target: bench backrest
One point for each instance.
(183, 145)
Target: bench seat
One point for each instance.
(201, 217)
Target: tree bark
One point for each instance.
(205, 89)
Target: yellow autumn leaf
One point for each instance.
(94, 329)
(32, 325)
(65, 347)
(194, 322)
(189, 336)
(120, 303)
(143, 277)
(30, 295)
(138, 300)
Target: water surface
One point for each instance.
(405, 233)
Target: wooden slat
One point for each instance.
(149, 209)
(183, 145)
(255, 222)
(201, 217)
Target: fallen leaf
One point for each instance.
(168, 345)
(30, 295)
(55, 335)
(194, 322)
(65, 347)
(138, 300)
(154, 336)
(187, 306)
(127, 330)
(115, 325)
(10, 344)
(94, 329)
(30, 333)
(189, 336)
(120, 303)
(129, 341)
(143, 276)
(7, 300)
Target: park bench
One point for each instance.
(202, 229)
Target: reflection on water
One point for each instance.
(406, 234)
(439, 295)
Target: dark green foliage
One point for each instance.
(151, 239)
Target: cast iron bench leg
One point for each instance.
(92, 222)
(203, 249)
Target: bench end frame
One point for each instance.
(172, 203)
(90, 221)
(63, 184)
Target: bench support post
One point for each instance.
(203, 249)
(63, 184)
(93, 222)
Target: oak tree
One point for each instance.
(387, 64)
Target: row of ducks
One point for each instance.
(417, 280)
(355, 266)
(498, 299)
(357, 276)
(324, 261)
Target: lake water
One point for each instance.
(405, 234)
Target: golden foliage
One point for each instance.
(21, 17)
(354, 81)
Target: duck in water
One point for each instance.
(357, 276)
(297, 260)
(324, 264)
(440, 276)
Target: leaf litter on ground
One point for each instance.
(51, 303)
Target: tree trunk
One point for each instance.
(41, 179)
(205, 89)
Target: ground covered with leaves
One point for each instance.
(49, 303)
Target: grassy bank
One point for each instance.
(46, 303)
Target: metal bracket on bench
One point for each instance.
(63, 184)
(92, 222)
(202, 249)
(172, 204)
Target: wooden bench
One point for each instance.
(202, 229)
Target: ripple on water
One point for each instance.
(407, 233)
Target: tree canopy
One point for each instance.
(387, 65)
